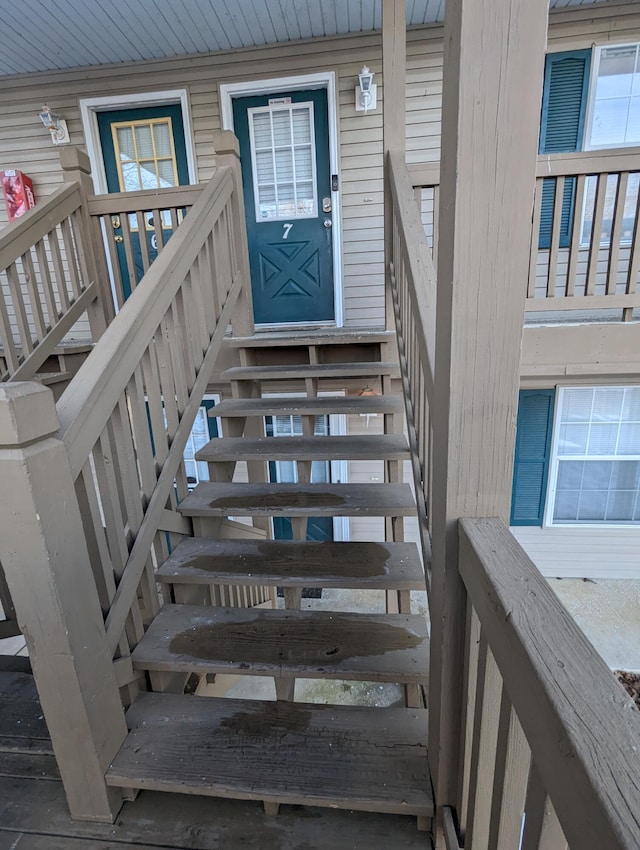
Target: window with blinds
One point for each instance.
(283, 161)
(596, 456)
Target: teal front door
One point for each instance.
(284, 150)
(142, 148)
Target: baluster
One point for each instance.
(616, 232)
(596, 234)
(576, 236)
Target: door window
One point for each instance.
(145, 154)
(283, 160)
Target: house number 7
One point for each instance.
(287, 228)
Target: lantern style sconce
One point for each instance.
(56, 126)
(366, 92)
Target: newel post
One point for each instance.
(76, 168)
(46, 564)
(227, 150)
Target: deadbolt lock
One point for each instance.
(115, 221)
(326, 205)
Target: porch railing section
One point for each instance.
(126, 417)
(135, 227)
(585, 239)
(48, 281)
(549, 739)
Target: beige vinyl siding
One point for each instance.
(25, 144)
(579, 552)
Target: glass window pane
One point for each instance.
(566, 506)
(597, 475)
(281, 127)
(570, 474)
(143, 141)
(631, 406)
(576, 404)
(602, 439)
(573, 439)
(632, 136)
(125, 143)
(615, 73)
(130, 177)
(166, 173)
(264, 167)
(620, 506)
(262, 129)
(609, 126)
(162, 138)
(284, 166)
(629, 439)
(592, 505)
(302, 126)
(304, 164)
(149, 176)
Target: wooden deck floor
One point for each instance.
(34, 816)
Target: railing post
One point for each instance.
(76, 168)
(394, 61)
(46, 564)
(492, 83)
(227, 150)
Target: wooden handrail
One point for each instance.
(49, 281)
(127, 415)
(582, 728)
(37, 222)
(86, 405)
(146, 200)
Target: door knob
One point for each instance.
(327, 223)
(118, 238)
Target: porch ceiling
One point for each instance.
(38, 35)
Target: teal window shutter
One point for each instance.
(533, 449)
(564, 107)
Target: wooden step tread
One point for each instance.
(302, 644)
(361, 447)
(307, 370)
(272, 406)
(292, 563)
(323, 336)
(213, 499)
(369, 759)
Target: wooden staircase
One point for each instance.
(220, 615)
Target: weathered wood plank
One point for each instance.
(360, 447)
(338, 756)
(316, 370)
(28, 765)
(313, 644)
(197, 823)
(241, 407)
(292, 563)
(212, 499)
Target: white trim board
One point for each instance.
(323, 80)
(90, 106)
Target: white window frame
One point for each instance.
(215, 398)
(550, 496)
(596, 52)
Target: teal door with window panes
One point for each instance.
(285, 472)
(142, 148)
(284, 150)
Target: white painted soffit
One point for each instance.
(45, 35)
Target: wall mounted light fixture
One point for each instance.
(56, 126)
(366, 91)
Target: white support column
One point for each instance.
(493, 68)
(46, 564)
